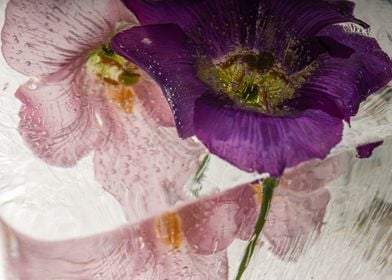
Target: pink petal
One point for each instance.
(69, 113)
(210, 225)
(152, 99)
(314, 174)
(143, 250)
(145, 166)
(118, 255)
(293, 219)
(44, 36)
(58, 119)
(298, 206)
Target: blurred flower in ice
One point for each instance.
(187, 242)
(84, 98)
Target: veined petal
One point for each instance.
(145, 166)
(59, 120)
(163, 51)
(352, 80)
(161, 241)
(220, 26)
(303, 19)
(315, 174)
(211, 224)
(129, 252)
(153, 101)
(293, 218)
(257, 142)
(44, 36)
(216, 26)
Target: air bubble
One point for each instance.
(32, 84)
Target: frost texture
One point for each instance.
(50, 203)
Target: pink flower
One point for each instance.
(83, 98)
(187, 242)
(299, 205)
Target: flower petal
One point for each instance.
(129, 252)
(315, 174)
(256, 142)
(293, 218)
(346, 81)
(153, 101)
(164, 53)
(124, 253)
(145, 166)
(212, 223)
(303, 19)
(214, 25)
(366, 150)
(58, 121)
(44, 36)
(235, 23)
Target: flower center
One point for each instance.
(119, 74)
(168, 229)
(253, 80)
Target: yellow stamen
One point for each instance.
(258, 189)
(257, 81)
(168, 229)
(122, 96)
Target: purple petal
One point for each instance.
(304, 18)
(234, 23)
(257, 142)
(163, 51)
(346, 81)
(44, 36)
(366, 151)
(214, 25)
(343, 6)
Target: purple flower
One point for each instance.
(263, 84)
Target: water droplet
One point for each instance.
(32, 84)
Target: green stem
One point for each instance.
(202, 167)
(199, 175)
(268, 189)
